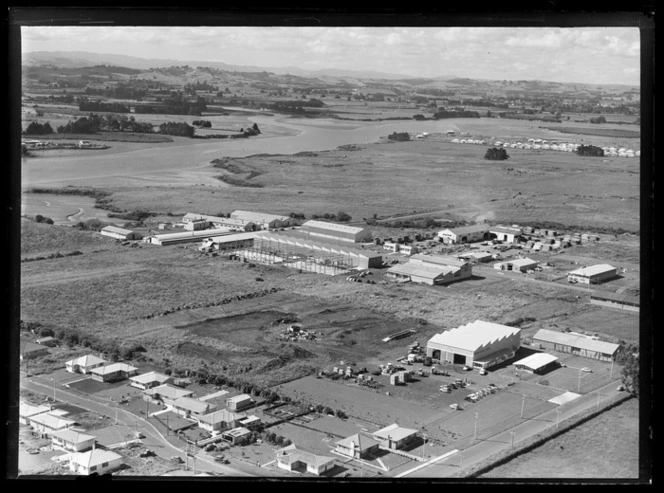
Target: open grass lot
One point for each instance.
(65, 210)
(606, 447)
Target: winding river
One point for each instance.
(305, 135)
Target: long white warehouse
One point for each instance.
(337, 232)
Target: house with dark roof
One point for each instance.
(30, 350)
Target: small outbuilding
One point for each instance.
(538, 363)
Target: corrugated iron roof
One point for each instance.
(344, 228)
(474, 335)
(394, 432)
(574, 340)
(536, 361)
(593, 270)
(632, 299)
(421, 270)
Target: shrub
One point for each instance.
(496, 154)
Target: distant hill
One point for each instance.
(75, 59)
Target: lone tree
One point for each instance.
(590, 150)
(496, 154)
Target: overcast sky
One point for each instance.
(604, 55)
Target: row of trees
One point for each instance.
(443, 113)
(340, 216)
(36, 128)
(399, 136)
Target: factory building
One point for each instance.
(120, 233)
(478, 344)
(507, 234)
(184, 236)
(594, 274)
(538, 363)
(517, 265)
(263, 221)
(233, 224)
(336, 232)
(624, 301)
(228, 243)
(577, 344)
(465, 234)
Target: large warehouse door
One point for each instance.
(459, 359)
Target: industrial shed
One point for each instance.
(508, 234)
(465, 234)
(478, 344)
(120, 233)
(424, 273)
(262, 220)
(184, 236)
(229, 242)
(337, 232)
(432, 269)
(593, 275)
(517, 265)
(476, 256)
(234, 224)
(624, 301)
(538, 363)
(346, 255)
(576, 344)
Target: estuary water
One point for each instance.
(305, 135)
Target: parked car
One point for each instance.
(483, 371)
(455, 406)
(586, 369)
(466, 368)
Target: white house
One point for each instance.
(291, 458)
(220, 420)
(149, 380)
(84, 364)
(93, 461)
(71, 441)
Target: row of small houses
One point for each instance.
(542, 144)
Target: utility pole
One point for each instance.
(598, 395)
(523, 405)
(475, 434)
(578, 389)
(557, 418)
(512, 433)
(424, 441)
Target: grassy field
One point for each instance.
(606, 447)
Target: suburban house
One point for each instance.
(84, 364)
(149, 380)
(116, 436)
(465, 234)
(292, 458)
(594, 274)
(45, 424)
(27, 411)
(93, 461)
(220, 420)
(357, 447)
(239, 402)
(577, 344)
(166, 394)
(186, 406)
(113, 372)
(71, 441)
(478, 344)
(236, 435)
(395, 437)
(249, 421)
(30, 350)
(120, 233)
(538, 363)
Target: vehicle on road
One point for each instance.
(586, 369)
(455, 407)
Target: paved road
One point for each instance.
(478, 451)
(154, 439)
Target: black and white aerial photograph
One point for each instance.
(312, 248)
